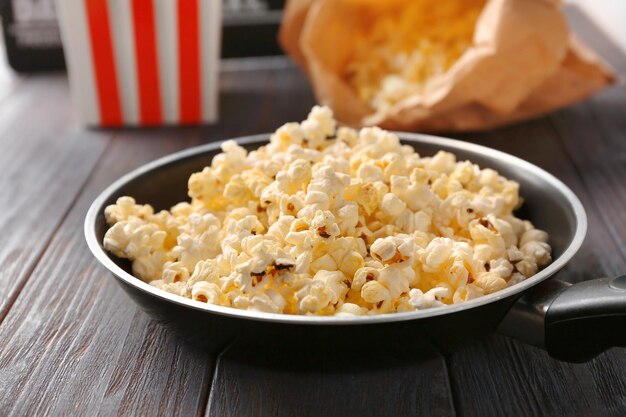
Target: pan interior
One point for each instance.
(547, 202)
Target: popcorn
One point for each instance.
(313, 202)
(537, 251)
(141, 242)
(207, 270)
(490, 282)
(324, 118)
(397, 280)
(442, 162)
(206, 292)
(269, 302)
(527, 267)
(364, 275)
(197, 239)
(366, 195)
(374, 292)
(516, 278)
(370, 172)
(124, 208)
(413, 190)
(406, 49)
(502, 267)
(533, 235)
(393, 249)
(207, 191)
(332, 221)
(318, 126)
(392, 205)
(291, 204)
(326, 288)
(287, 135)
(174, 272)
(432, 298)
(324, 225)
(466, 293)
(437, 252)
(350, 309)
(324, 263)
(176, 288)
(295, 178)
(411, 222)
(347, 135)
(280, 229)
(347, 217)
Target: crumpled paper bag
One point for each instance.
(522, 61)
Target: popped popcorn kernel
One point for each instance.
(332, 221)
(407, 48)
(490, 282)
(206, 292)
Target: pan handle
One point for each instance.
(573, 323)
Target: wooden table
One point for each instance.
(71, 343)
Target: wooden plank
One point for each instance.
(393, 382)
(499, 376)
(75, 343)
(593, 134)
(43, 167)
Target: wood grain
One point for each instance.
(594, 136)
(394, 382)
(44, 165)
(75, 343)
(501, 377)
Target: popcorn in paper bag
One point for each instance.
(453, 65)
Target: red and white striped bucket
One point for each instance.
(142, 62)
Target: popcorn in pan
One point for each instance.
(332, 221)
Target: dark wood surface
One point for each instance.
(71, 343)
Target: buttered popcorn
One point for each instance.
(332, 221)
(408, 46)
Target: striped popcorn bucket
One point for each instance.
(142, 62)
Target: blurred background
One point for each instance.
(33, 42)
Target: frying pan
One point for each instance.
(572, 322)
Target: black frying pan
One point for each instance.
(572, 322)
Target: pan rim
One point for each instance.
(445, 143)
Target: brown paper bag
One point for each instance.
(522, 61)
